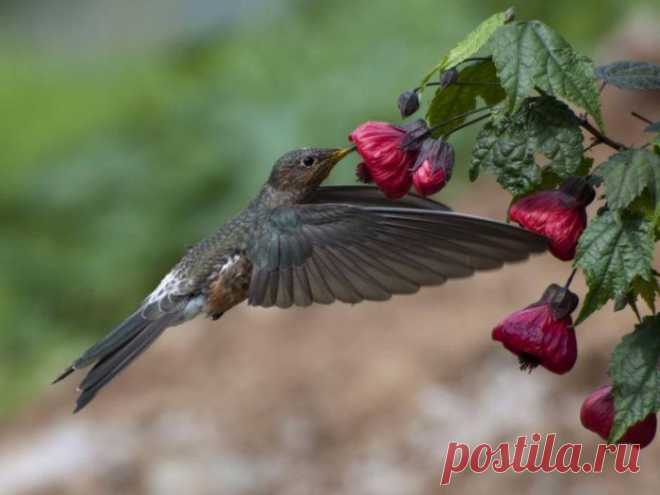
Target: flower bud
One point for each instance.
(415, 132)
(597, 415)
(542, 333)
(408, 103)
(433, 167)
(448, 77)
(381, 147)
(559, 215)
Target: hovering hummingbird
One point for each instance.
(298, 243)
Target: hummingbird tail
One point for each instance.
(112, 363)
(115, 352)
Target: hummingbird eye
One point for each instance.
(308, 161)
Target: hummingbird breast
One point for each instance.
(229, 284)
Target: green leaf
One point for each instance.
(476, 80)
(471, 44)
(621, 302)
(636, 376)
(507, 147)
(502, 148)
(613, 252)
(628, 74)
(655, 145)
(648, 290)
(627, 174)
(505, 154)
(556, 134)
(529, 54)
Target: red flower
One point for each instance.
(559, 215)
(428, 181)
(433, 167)
(388, 161)
(597, 415)
(542, 333)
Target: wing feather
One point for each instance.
(352, 252)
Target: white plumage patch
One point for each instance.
(231, 261)
(166, 286)
(170, 287)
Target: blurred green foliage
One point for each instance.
(112, 164)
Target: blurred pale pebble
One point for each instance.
(179, 430)
(498, 400)
(296, 433)
(209, 475)
(380, 475)
(59, 454)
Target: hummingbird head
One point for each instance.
(303, 170)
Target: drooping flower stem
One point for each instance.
(459, 83)
(587, 126)
(600, 137)
(641, 117)
(467, 124)
(595, 142)
(460, 116)
(570, 278)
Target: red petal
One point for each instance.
(533, 332)
(555, 215)
(643, 432)
(597, 415)
(379, 144)
(597, 411)
(428, 181)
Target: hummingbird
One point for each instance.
(298, 243)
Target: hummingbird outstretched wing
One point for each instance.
(371, 196)
(325, 252)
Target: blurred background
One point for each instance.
(131, 129)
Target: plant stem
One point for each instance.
(468, 123)
(600, 137)
(431, 130)
(641, 117)
(469, 59)
(586, 125)
(461, 83)
(460, 116)
(592, 145)
(570, 278)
